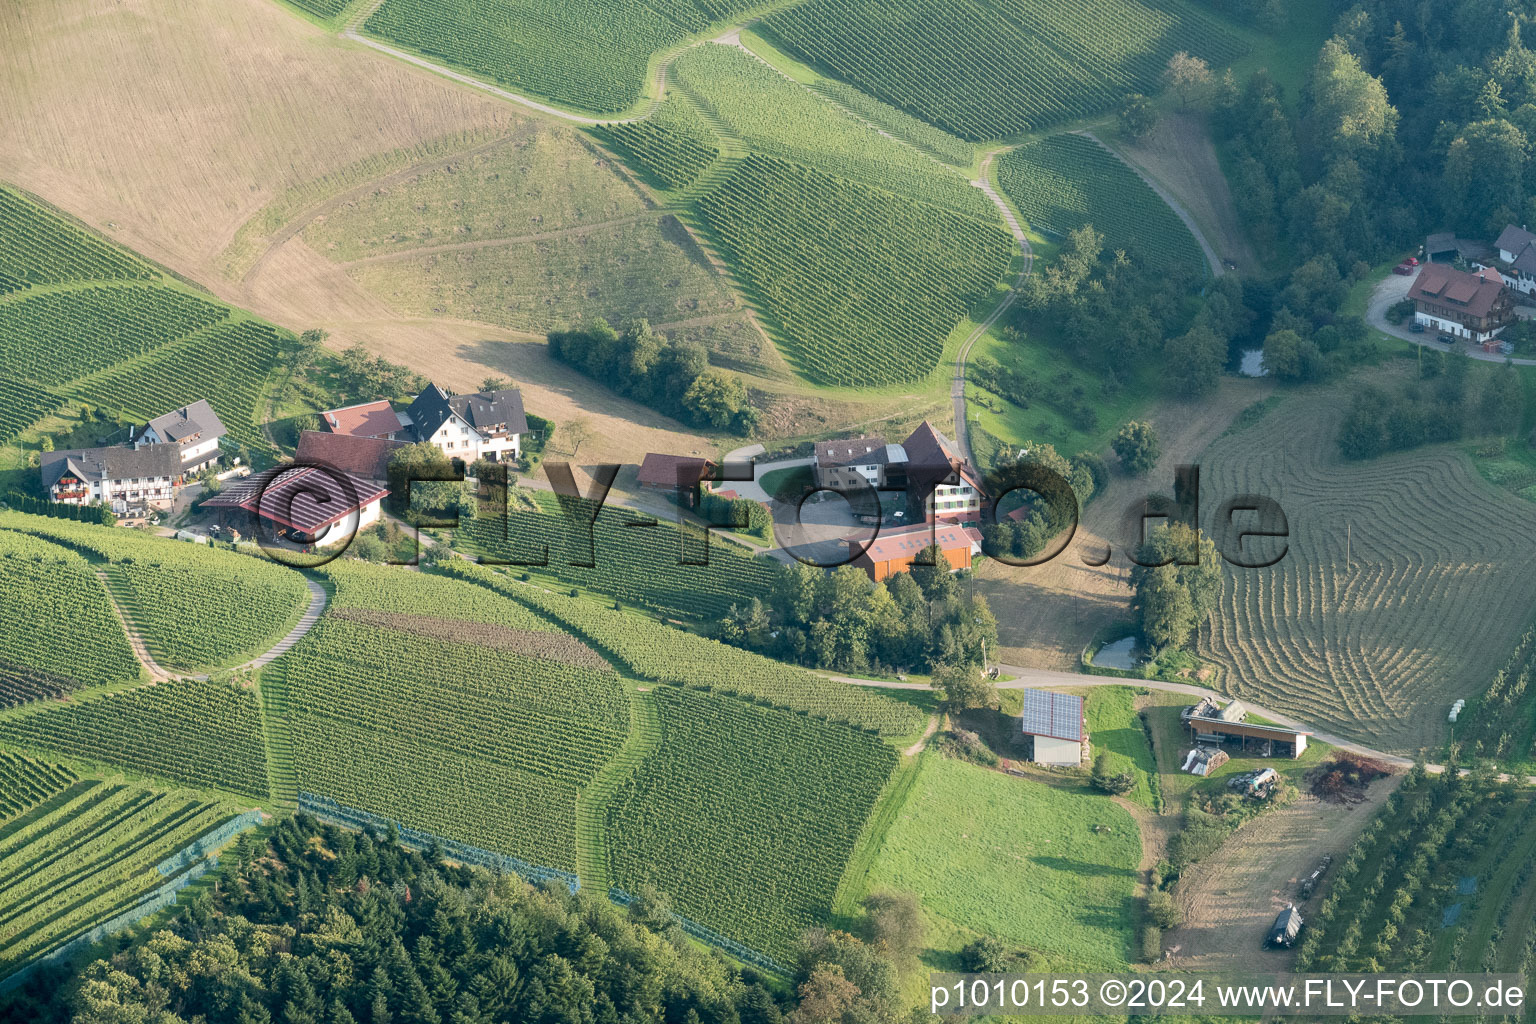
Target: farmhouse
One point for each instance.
(195, 430)
(677, 473)
(303, 504)
(953, 488)
(1475, 306)
(892, 551)
(1210, 723)
(129, 479)
(1059, 726)
(484, 425)
(367, 419)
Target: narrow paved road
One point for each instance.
(306, 623)
(1214, 261)
(1025, 678)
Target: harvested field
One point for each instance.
(1230, 898)
(1426, 610)
(547, 646)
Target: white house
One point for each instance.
(840, 465)
(959, 493)
(195, 429)
(1517, 258)
(124, 478)
(484, 425)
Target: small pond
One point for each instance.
(1119, 654)
(1252, 364)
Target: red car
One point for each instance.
(1403, 268)
(1412, 261)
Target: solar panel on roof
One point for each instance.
(1057, 715)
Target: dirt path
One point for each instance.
(1230, 898)
(135, 641)
(492, 243)
(917, 748)
(1173, 204)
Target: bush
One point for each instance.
(1162, 911)
(1108, 781)
(967, 746)
(1151, 943)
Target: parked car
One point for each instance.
(1416, 327)
(1446, 339)
(1402, 268)
(1412, 261)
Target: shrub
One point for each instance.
(1162, 911)
(1151, 943)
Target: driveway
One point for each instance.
(1393, 289)
(753, 489)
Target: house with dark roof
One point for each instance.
(195, 430)
(1475, 306)
(366, 419)
(302, 504)
(1058, 725)
(893, 551)
(847, 463)
(128, 479)
(934, 465)
(1517, 258)
(364, 457)
(483, 425)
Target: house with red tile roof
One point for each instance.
(367, 419)
(1474, 306)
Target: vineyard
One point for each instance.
(25, 783)
(389, 588)
(195, 606)
(934, 141)
(88, 859)
(1443, 880)
(989, 69)
(1376, 647)
(659, 652)
(1501, 723)
(585, 54)
(773, 115)
(890, 281)
(60, 630)
(1061, 182)
(326, 10)
(725, 817)
(476, 743)
(40, 247)
(674, 145)
(194, 732)
(112, 331)
(228, 364)
(637, 563)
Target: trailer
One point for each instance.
(1286, 928)
(1309, 884)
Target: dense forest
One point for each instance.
(312, 924)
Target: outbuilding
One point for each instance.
(1058, 726)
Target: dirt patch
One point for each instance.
(1231, 898)
(1180, 156)
(547, 646)
(1047, 614)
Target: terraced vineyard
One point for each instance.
(773, 115)
(38, 246)
(61, 632)
(113, 331)
(25, 783)
(633, 563)
(89, 859)
(228, 364)
(1378, 648)
(584, 54)
(194, 732)
(890, 281)
(675, 145)
(389, 588)
(1061, 182)
(476, 743)
(196, 607)
(655, 651)
(989, 69)
(724, 816)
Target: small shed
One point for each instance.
(1286, 928)
(1058, 725)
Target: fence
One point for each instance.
(340, 814)
(196, 862)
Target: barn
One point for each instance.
(1058, 725)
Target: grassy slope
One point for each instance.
(1115, 728)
